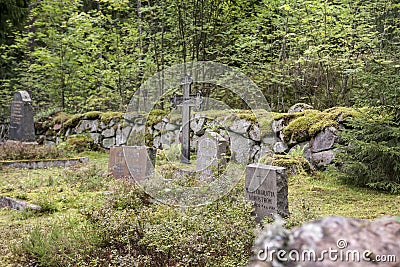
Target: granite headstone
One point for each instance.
(267, 187)
(211, 155)
(21, 121)
(133, 163)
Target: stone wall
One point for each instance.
(247, 144)
(302, 128)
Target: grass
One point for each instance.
(67, 195)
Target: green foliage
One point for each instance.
(21, 151)
(81, 142)
(219, 234)
(93, 55)
(372, 154)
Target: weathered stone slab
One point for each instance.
(323, 158)
(12, 203)
(240, 147)
(134, 163)
(323, 140)
(21, 121)
(211, 155)
(280, 148)
(267, 187)
(39, 164)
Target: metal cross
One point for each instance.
(186, 101)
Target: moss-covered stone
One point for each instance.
(81, 142)
(302, 126)
(106, 117)
(294, 164)
(93, 115)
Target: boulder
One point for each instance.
(323, 140)
(87, 126)
(280, 148)
(255, 133)
(13, 203)
(108, 142)
(277, 125)
(323, 158)
(240, 147)
(352, 242)
(121, 135)
(110, 132)
(240, 126)
(299, 107)
(197, 124)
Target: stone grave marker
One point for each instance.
(211, 155)
(132, 162)
(21, 121)
(267, 187)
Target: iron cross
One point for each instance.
(186, 101)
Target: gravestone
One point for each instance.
(267, 187)
(211, 155)
(21, 122)
(132, 162)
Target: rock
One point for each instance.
(299, 107)
(280, 148)
(13, 203)
(264, 149)
(108, 142)
(254, 151)
(197, 124)
(323, 140)
(240, 126)
(112, 122)
(323, 158)
(240, 147)
(121, 135)
(302, 146)
(352, 238)
(167, 138)
(277, 125)
(171, 127)
(255, 133)
(95, 137)
(110, 132)
(159, 126)
(87, 125)
(131, 117)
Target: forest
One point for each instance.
(85, 55)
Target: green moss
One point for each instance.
(93, 115)
(81, 142)
(61, 117)
(304, 125)
(294, 164)
(106, 117)
(155, 116)
(73, 121)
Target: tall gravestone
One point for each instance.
(267, 187)
(132, 162)
(21, 122)
(211, 155)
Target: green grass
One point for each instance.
(83, 223)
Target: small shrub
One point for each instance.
(80, 143)
(372, 154)
(21, 151)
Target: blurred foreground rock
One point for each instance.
(331, 241)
